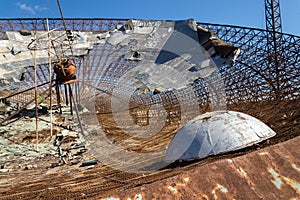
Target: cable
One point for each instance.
(65, 26)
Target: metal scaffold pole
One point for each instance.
(50, 77)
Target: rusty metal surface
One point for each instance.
(270, 173)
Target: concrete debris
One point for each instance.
(25, 32)
(17, 49)
(171, 43)
(4, 170)
(29, 167)
(102, 36)
(19, 141)
(134, 56)
(182, 46)
(3, 36)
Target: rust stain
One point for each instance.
(278, 181)
(295, 167)
(294, 184)
(263, 153)
(220, 188)
(242, 172)
(174, 187)
(204, 197)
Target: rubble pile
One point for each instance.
(19, 146)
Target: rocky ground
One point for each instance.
(21, 151)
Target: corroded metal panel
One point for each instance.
(270, 173)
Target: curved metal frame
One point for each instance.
(251, 78)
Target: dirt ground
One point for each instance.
(44, 177)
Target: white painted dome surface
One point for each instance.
(216, 132)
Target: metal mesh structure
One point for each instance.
(251, 78)
(252, 85)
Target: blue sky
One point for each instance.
(235, 12)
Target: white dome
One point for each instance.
(216, 132)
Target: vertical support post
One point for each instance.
(35, 95)
(70, 93)
(77, 92)
(66, 95)
(77, 111)
(50, 78)
(58, 97)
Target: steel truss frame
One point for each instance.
(252, 77)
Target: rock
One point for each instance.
(65, 132)
(76, 152)
(75, 161)
(91, 167)
(4, 170)
(89, 163)
(54, 165)
(25, 32)
(102, 36)
(15, 50)
(28, 167)
(77, 146)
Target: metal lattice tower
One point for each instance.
(273, 17)
(274, 39)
